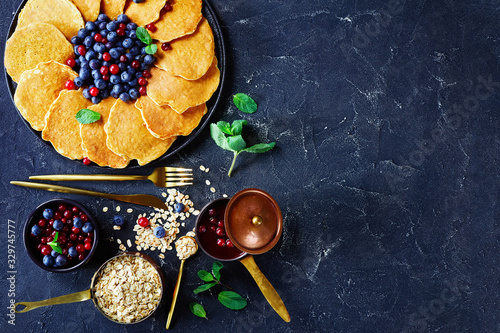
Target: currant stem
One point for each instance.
(232, 164)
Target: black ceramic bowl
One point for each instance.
(31, 242)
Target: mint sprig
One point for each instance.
(86, 116)
(55, 245)
(145, 37)
(244, 103)
(229, 137)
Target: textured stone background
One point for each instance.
(385, 115)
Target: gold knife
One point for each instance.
(140, 199)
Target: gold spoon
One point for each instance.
(191, 251)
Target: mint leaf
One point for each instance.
(151, 48)
(86, 116)
(237, 127)
(204, 287)
(55, 245)
(236, 142)
(232, 300)
(224, 127)
(198, 310)
(244, 103)
(260, 148)
(143, 35)
(205, 276)
(219, 137)
(56, 236)
(216, 267)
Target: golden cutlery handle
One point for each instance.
(70, 298)
(140, 199)
(176, 292)
(88, 177)
(266, 287)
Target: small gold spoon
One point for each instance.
(187, 242)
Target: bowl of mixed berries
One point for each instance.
(60, 235)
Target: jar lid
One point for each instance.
(253, 221)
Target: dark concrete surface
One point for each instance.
(385, 115)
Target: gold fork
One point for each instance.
(161, 177)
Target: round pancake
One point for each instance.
(62, 14)
(94, 138)
(33, 44)
(144, 12)
(128, 135)
(191, 55)
(180, 21)
(88, 8)
(38, 88)
(112, 8)
(181, 94)
(163, 122)
(61, 127)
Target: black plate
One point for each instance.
(182, 141)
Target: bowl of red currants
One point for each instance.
(60, 235)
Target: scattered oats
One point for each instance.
(130, 210)
(207, 169)
(164, 194)
(196, 212)
(190, 233)
(122, 247)
(138, 247)
(202, 168)
(105, 209)
(224, 195)
(118, 208)
(119, 241)
(207, 182)
(212, 189)
(129, 243)
(117, 227)
(161, 256)
(183, 218)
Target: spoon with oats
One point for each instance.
(185, 246)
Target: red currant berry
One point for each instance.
(80, 248)
(62, 207)
(212, 212)
(143, 222)
(146, 74)
(98, 38)
(114, 69)
(65, 252)
(42, 223)
(88, 246)
(142, 90)
(62, 239)
(75, 230)
(212, 220)
(39, 247)
(75, 210)
(229, 243)
(202, 229)
(94, 91)
(221, 242)
(67, 227)
(123, 58)
(70, 85)
(167, 8)
(73, 237)
(86, 161)
(48, 230)
(166, 46)
(104, 70)
(136, 64)
(120, 32)
(106, 56)
(104, 40)
(212, 228)
(57, 215)
(87, 240)
(122, 26)
(46, 249)
(68, 245)
(81, 50)
(71, 62)
(43, 240)
(81, 238)
(151, 27)
(50, 239)
(142, 81)
(90, 234)
(220, 223)
(106, 77)
(84, 217)
(68, 214)
(51, 223)
(220, 232)
(81, 256)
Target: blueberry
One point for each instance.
(122, 18)
(100, 84)
(120, 49)
(77, 62)
(96, 99)
(91, 26)
(138, 1)
(104, 32)
(109, 45)
(159, 232)
(57, 225)
(138, 75)
(103, 17)
(112, 26)
(76, 40)
(112, 36)
(133, 83)
(61, 260)
(96, 74)
(125, 97)
(87, 227)
(128, 43)
(117, 89)
(35, 230)
(118, 220)
(102, 25)
(131, 70)
(115, 79)
(94, 64)
(131, 26)
(143, 51)
(88, 41)
(179, 207)
(100, 48)
(104, 93)
(86, 93)
(114, 53)
(54, 253)
(91, 54)
(84, 73)
(122, 66)
(145, 67)
(106, 63)
(149, 59)
(114, 95)
(72, 252)
(48, 261)
(82, 33)
(78, 81)
(84, 64)
(129, 56)
(77, 222)
(135, 51)
(48, 213)
(134, 93)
